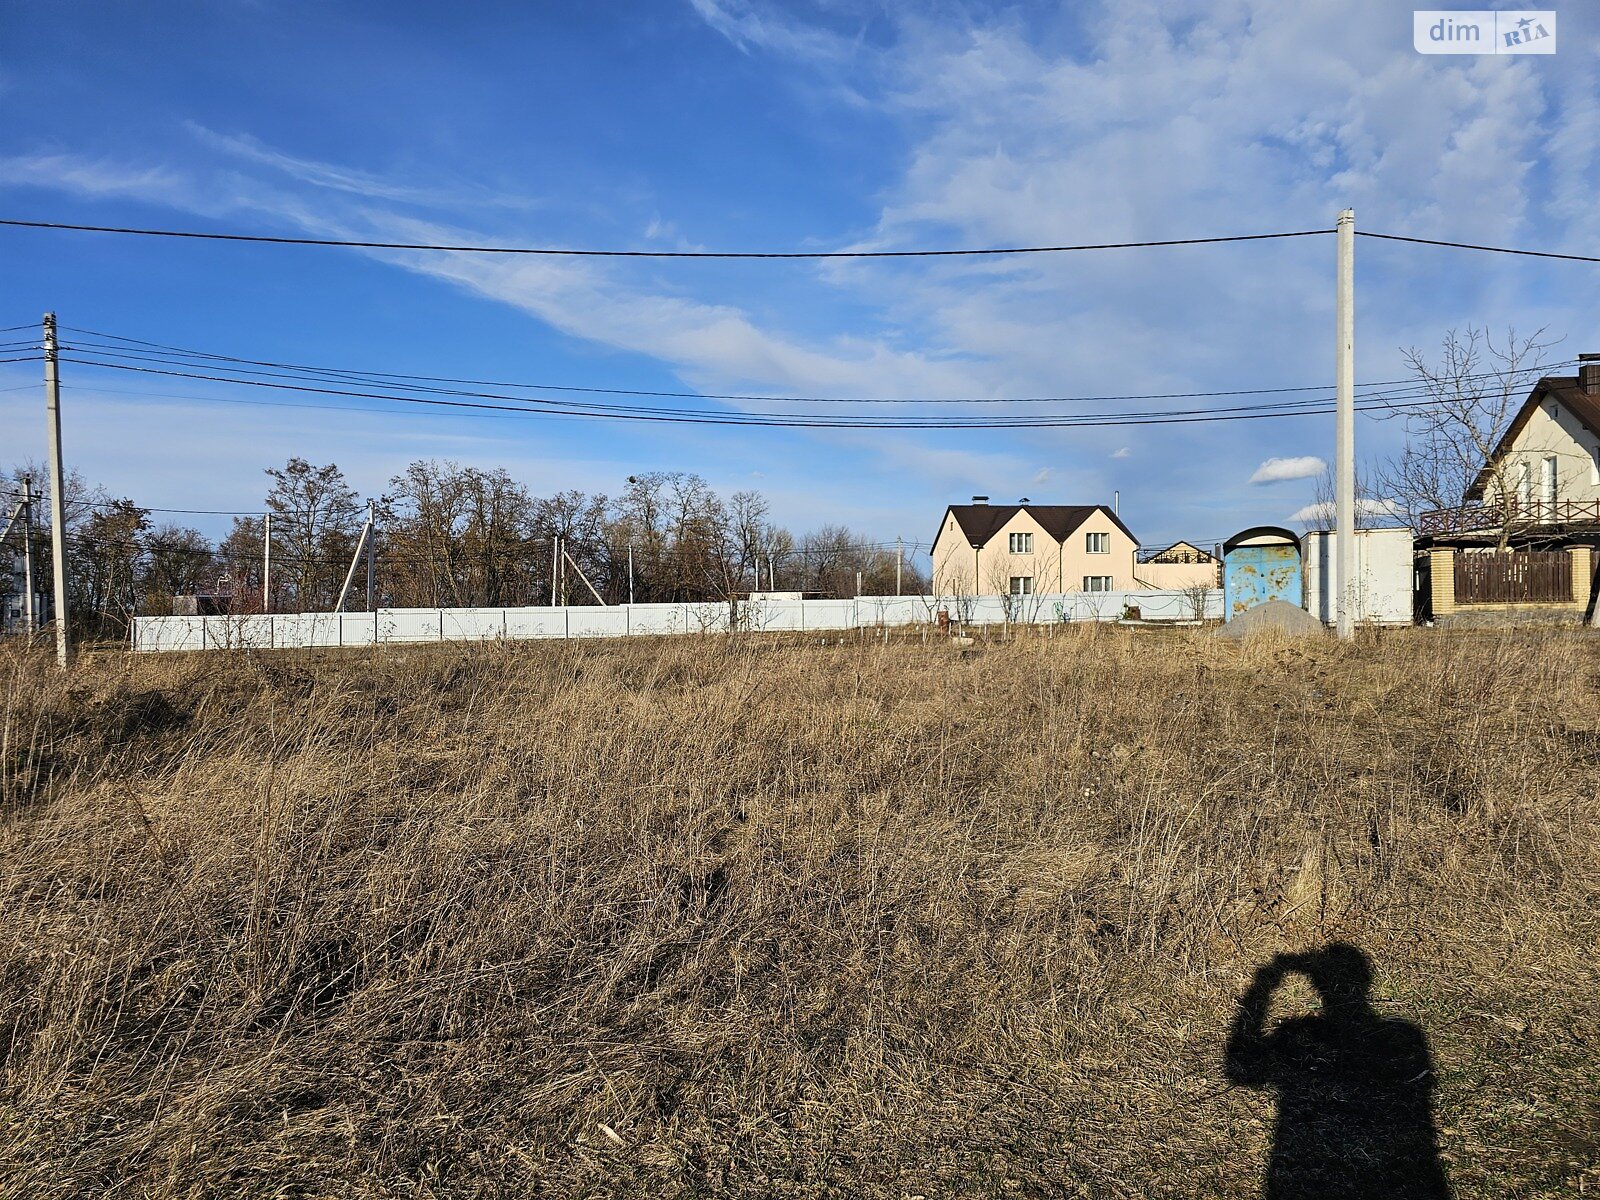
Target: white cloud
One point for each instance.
(1122, 452)
(1275, 470)
(1321, 514)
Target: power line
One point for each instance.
(702, 417)
(1416, 241)
(1391, 397)
(371, 376)
(567, 253)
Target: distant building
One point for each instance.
(985, 549)
(1181, 565)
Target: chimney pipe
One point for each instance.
(1589, 373)
(980, 499)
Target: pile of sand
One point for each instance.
(1277, 615)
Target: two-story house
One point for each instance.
(1542, 481)
(985, 549)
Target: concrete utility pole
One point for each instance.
(630, 573)
(372, 552)
(266, 563)
(555, 560)
(899, 562)
(58, 491)
(355, 559)
(30, 619)
(1345, 427)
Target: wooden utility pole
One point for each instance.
(1345, 427)
(58, 492)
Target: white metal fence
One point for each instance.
(399, 626)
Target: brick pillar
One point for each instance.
(1442, 581)
(1582, 574)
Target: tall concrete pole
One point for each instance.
(372, 549)
(30, 619)
(266, 562)
(58, 491)
(1345, 428)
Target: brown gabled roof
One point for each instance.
(1564, 390)
(980, 522)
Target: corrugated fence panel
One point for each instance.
(400, 625)
(473, 624)
(412, 625)
(358, 629)
(828, 614)
(536, 623)
(598, 622)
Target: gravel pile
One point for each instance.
(1279, 615)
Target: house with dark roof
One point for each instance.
(1021, 549)
(1542, 481)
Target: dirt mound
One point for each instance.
(1274, 615)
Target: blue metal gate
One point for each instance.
(1258, 565)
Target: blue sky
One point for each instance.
(688, 124)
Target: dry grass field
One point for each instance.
(771, 918)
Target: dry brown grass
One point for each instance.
(691, 917)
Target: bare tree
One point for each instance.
(1469, 397)
(1371, 512)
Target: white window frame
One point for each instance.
(1550, 481)
(1020, 543)
(1021, 585)
(1097, 543)
(1092, 583)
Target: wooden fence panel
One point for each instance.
(1521, 577)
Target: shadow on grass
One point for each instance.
(1355, 1090)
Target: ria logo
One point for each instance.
(1447, 31)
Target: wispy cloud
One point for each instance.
(367, 186)
(1122, 452)
(1276, 470)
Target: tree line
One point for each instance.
(447, 535)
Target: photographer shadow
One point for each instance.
(1355, 1090)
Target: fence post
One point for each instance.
(1582, 574)
(1442, 581)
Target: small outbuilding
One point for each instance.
(1260, 564)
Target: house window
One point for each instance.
(1594, 463)
(1097, 543)
(1022, 543)
(1551, 484)
(1022, 585)
(1097, 583)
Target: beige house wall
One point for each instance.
(1552, 431)
(961, 570)
(1176, 576)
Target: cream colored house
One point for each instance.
(985, 549)
(1551, 451)
(1543, 478)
